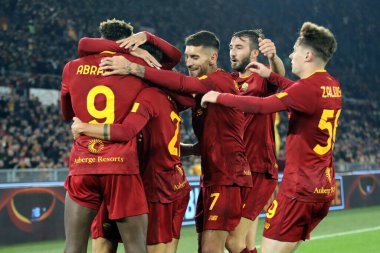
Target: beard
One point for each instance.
(240, 67)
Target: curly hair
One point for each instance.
(114, 29)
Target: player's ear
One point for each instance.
(213, 58)
(309, 56)
(254, 54)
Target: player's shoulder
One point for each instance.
(150, 92)
(220, 73)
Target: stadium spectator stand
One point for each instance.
(38, 37)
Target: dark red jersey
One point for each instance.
(221, 135)
(156, 114)
(314, 105)
(162, 173)
(96, 99)
(259, 137)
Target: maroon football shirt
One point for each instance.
(221, 135)
(162, 173)
(314, 104)
(259, 137)
(96, 99)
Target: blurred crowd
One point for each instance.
(38, 37)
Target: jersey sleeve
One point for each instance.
(88, 46)
(300, 97)
(251, 104)
(142, 111)
(172, 55)
(176, 81)
(183, 101)
(280, 81)
(66, 106)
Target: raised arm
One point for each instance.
(88, 46)
(268, 48)
(172, 55)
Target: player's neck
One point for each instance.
(212, 69)
(310, 69)
(245, 74)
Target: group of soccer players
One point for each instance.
(125, 164)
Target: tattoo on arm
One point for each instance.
(106, 132)
(138, 70)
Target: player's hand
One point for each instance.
(258, 68)
(76, 128)
(146, 56)
(116, 65)
(209, 97)
(267, 48)
(133, 41)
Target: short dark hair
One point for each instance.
(319, 38)
(203, 38)
(153, 50)
(252, 35)
(114, 29)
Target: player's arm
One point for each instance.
(190, 149)
(248, 104)
(132, 124)
(274, 78)
(268, 48)
(301, 97)
(183, 101)
(118, 65)
(66, 106)
(88, 46)
(172, 55)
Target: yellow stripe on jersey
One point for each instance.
(202, 77)
(107, 52)
(282, 94)
(135, 107)
(317, 71)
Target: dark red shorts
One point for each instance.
(220, 207)
(289, 220)
(103, 227)
(262, 189)
(123, 195)
(165, 220)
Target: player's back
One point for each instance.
(98, 99)
(221, 138)
(163, 176)
(309, 168)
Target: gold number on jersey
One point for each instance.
(272, 209)
(324, 124)
(215, 196)
(173, 149)
(108, 112)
